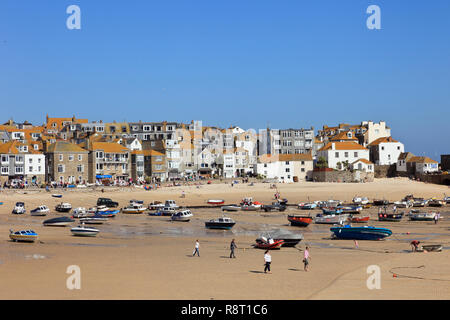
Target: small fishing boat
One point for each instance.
(360, 200)
(215, 202)
(290, 239)
(307, 206)
(63, 207)
(268, 244)
(155, 205)
(23, 235)
(137, 202)
(415, 215)
(134, 208)
(94, 220)
(231, 207)
(404, 204)
(220, 223)
(57, 195)
(19, 208)
(351, 209)
(82, 231)
(81, 212)
(436, 203)
(40, 211)
(58, 222)
(419, 202)
(166, 211)
(171, 204)
(360, 233)
(380, 202)
(248, 204)
(183, 216)
(299, 221)
(393, 217)
(332, 210)
(359, 219)
(430, 248)
(330, 218)
(103, 211)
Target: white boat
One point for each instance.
(155, 205)
(23, 235)
(403, 204)
(167, 211)
(216, 202)
(93, 220)
(40, 211)
(134, 208)
(248, 204)
(421, 216)
(183, 216)
(80, 212)
(231, 207)
(360, 200)
(83, 231)
(171, 204)
(97, 209)
(63, 207)
(19, 208)
(331, 218)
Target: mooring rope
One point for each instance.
(413, 277)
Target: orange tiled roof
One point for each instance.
(363, 160)
(108, 147)
(347, 145)
(422, 160)
(266, 158)
(382, 140)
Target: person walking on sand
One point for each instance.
(436, 218)
(306, 259)
(232, 247)
(196, 249)
(267, 261)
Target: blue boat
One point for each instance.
(360, 233)
(108, 213)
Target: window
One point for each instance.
(382, 148)
(61, 157)
(5, 158)
(80, 157)
(71, 157)
(302, 169)
(287, 162)
(19, 159)
(288, 170)
(303, 162)
(346, 154)
(5, 170)
(30, 160)
(398, 148)
(30, 169)
(19, 170)
(80, 168)
(99, 155)
(60, 168)
(336, 154)
(39, 169)
(356, 154)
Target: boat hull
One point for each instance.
(23, 238)
(360, 233)
(269, 246)
(84, 232)
(217, 225)
(390, 217)
(58, 222)
(299, 221)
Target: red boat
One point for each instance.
(300, 221)
(216, 202)
(270, 244)
(359, 219)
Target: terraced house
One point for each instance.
(66, 162)
(109, 160)
(18, 161)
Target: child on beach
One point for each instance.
(267, 261)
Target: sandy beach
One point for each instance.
(149, 257)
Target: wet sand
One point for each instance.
(149, 257)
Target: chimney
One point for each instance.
(333, 146)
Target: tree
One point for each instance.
(322, 163)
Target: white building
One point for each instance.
(385, 151)
(363, 165)
(286, 167)
(340, 155)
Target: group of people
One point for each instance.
(267, 256)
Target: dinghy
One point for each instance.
(299, 221)
(268, 244)
(215, 202)
(360, 233)
(134, 208)
(231, 207)
(183, 216)
(421, 216)
(63, 207)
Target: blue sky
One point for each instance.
(289, 63)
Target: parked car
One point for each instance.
(107, 202)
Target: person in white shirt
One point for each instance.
(267, 261)
(196, 249)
